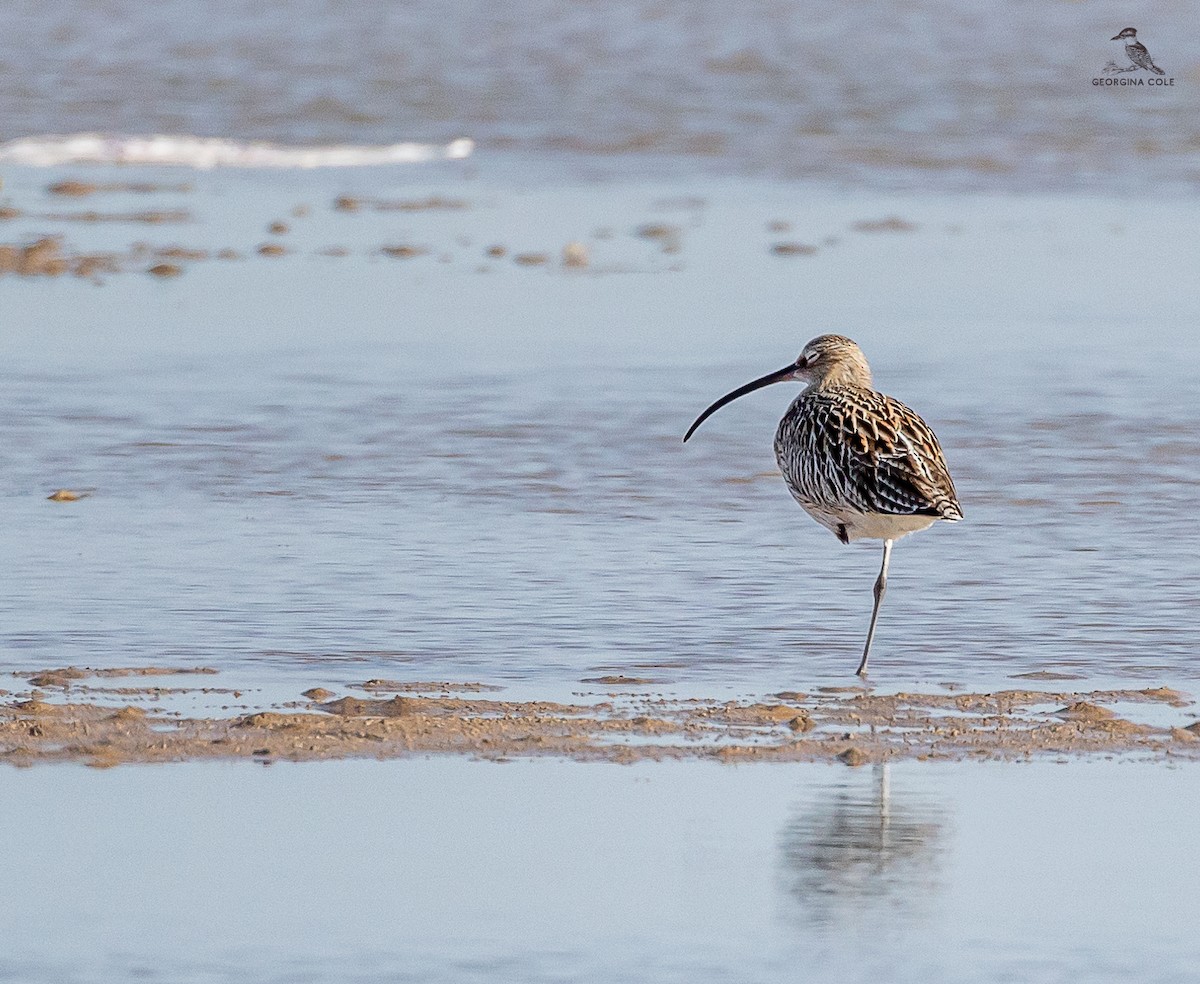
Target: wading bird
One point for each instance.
(861, 464)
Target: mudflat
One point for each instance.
(66, 718)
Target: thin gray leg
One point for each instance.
(880, 590)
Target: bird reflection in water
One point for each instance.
(859, 850)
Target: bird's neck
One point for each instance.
(840, 377)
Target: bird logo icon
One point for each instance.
(1137, 53)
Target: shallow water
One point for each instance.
(454, 871)
(926, 94)
(312, 470)
(315, 471)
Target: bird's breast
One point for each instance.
(863, 465)
(810, 456)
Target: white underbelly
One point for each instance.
(869, 526)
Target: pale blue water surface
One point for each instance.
(322, 470)
(457, 871)
(927, 94)
(316, 470)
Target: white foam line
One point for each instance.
(210, 152)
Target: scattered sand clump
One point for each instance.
(847, 725)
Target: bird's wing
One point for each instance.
(1138, 54)
(887, 459)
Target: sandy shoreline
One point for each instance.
(280, 467)
(419, 518)
(395, 719)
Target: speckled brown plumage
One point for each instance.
(847, 450)
(862, 464)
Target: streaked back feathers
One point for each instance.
(849, 447)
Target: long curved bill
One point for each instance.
(778, 376)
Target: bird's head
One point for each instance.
(828, 360)
(833, 360)
(1126, 35)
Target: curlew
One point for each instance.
(862, 464)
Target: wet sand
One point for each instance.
(55, 253)
(83, 722)
(313, 495)
(371, 541)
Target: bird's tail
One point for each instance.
(1156, 70)
(949, 510)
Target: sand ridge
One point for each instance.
(851, 725)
